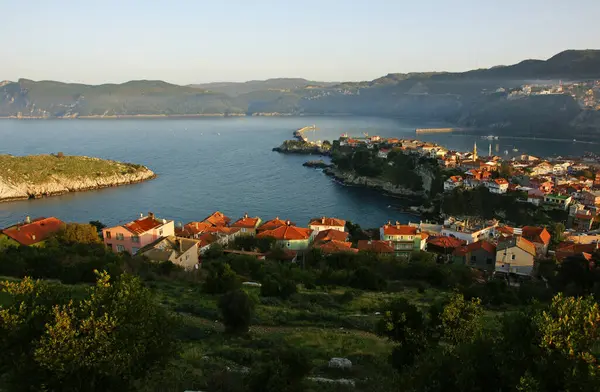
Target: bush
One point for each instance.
(221, 279)
(282, 370)
(79, 233)
(237, 310)
(276, 286)
(365, 279)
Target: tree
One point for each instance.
(98, 225)
(457, 320)
(221, 279)
(365, 279)
(277, 286)
(214, 251)
(78, 233)
(557, 230)
(405, 325)
(100, 343)
(237, 310)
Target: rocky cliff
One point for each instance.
(46, 175)
(353, 179)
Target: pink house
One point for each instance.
(134, 235)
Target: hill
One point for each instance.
(234, 89)
(480, 99)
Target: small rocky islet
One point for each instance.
(37, 176)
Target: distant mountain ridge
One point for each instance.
(477, 98)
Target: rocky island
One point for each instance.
(36, 176)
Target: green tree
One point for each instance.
(98, 225)
(278, 286)
(283, 370)
(100, 343)
(78, 233)
(458, 320)
(221, 279)
(404, 324)
(237, 309)
(557, 230)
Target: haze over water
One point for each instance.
(222, 164)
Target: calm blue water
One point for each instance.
(222, 164)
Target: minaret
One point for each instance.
(475, 151)
(490, 150)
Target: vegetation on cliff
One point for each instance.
(39, 175)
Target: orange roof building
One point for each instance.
(289, 236)
(336, 247)
(377, 246)
(325, 223)
(331, 235)
(247, 225)
(133, 236)
(217, 219)
(273, 224)
(35, 231)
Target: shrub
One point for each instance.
(221, 279)
(237, 310)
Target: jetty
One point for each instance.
(434, 130)
(299, 134)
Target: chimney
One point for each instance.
(245, 215)
(27, 220)
(288, 223)
(323, 220)
(33, 237)
(180, 246)
(151, 215)
(141, 215)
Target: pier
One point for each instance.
(434, 130)
(299, 134)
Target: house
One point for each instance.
(480, 255)
(224, 234)
(443, 245)
(192, 229)
(34, 232)
(539, 237)
(515, 255)
(247, 225)
(381, 247)
(205, 242)
(404, 238)
(273, 224)
(567, 249)
(217, 218)
(331, 235)
(498, 186)
(583, 221)
(335, 246)
(452, 183)
(469, 231)
(558, 201)
(471, 183)
(289, 237)
(590, 198)
(535, 197)
(179, 251)
(383, 153)
(323, 223)
(134, 235)
(542, 169)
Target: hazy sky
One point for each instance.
(192, 41)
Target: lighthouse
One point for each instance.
(475, 151)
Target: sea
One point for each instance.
(226, 164)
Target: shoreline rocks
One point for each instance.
(318, 164)
(57, 185)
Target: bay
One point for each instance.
(226, 164)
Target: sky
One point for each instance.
(198, 41)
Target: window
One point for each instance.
(243, 229)
(160, 232)
(289, 244)
(120, 237)
(187, 257)
(120, 248)
(134, 250)
(109, 246)
(473, 258)
(512, 257)
(488, 260)
(107, 234)
(135, 238)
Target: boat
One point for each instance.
(490, 137)
(574, 140)
(505, 152)
(515, 150)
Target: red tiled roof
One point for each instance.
(486, 246)
(584, 216)
(287, 233)
(142, 225)
(222, 230)
(566, 249)
(36, 231)
(375, 246)
(336, 247)
(455, 178)
(217, 218)
(327, 222)
(519, 242)
(399, 230)
(500, 181)
(445, 242)
(273, 224)
(331, 235)
(505, 230)
(537, 234)
(207, 239)
(247, 222)
(193, 228)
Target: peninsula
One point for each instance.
(36, 176)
